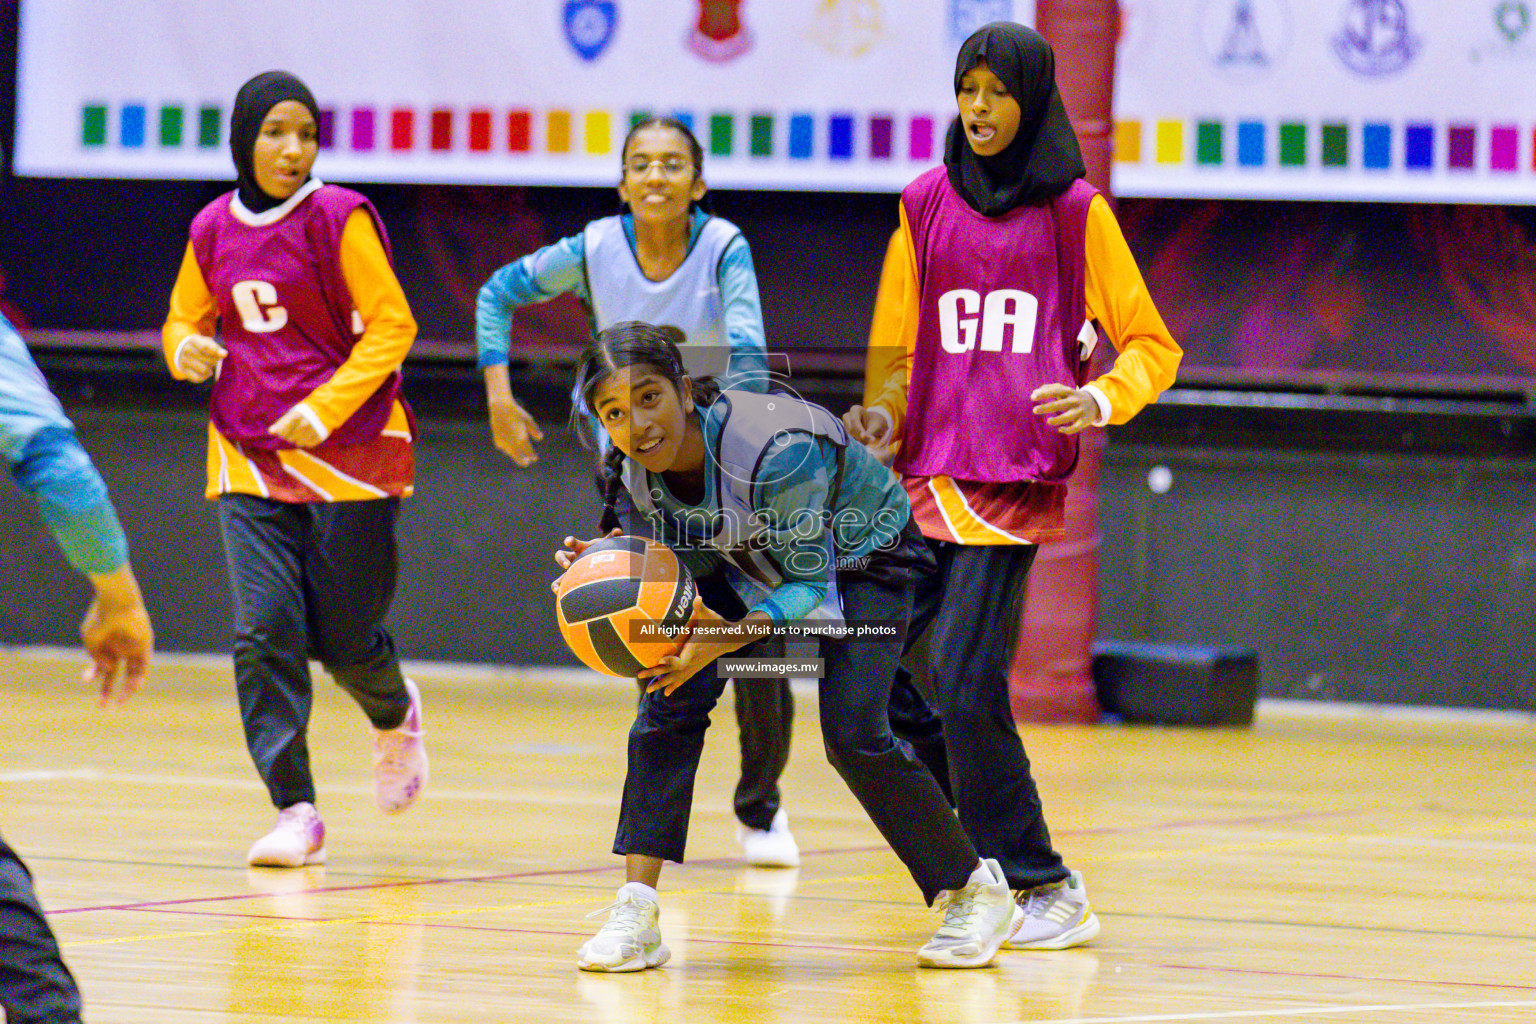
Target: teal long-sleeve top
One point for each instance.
(42, 454)
(792, 497)
(560, 268)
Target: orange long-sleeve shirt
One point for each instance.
(970, 512)
(379, 468)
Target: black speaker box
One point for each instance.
(1170, 684)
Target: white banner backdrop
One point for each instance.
(821, 94)
(1424, 100)
(1428, 100)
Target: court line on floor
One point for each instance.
(407, 883)
(328, 889)
(799, 894)
(398, 922)
(585, 900)
(1296, 1011)
(422, 916)
(618, 865)
(808, 897)
(717, 862)
(1376, 979)
(1340, 977)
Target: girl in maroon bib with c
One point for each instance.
(309, 449)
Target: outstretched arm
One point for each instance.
(537, 277)
(72, 499)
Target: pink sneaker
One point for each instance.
(400, 760)
(297, 839)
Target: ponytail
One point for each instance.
(610, 481)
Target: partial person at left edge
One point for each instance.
(39, 448)
(310, 449)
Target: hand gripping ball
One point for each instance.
(624, 604)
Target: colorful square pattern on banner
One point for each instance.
(1413, 100)
(1332, 99)
(804, 94)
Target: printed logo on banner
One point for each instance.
(590, 25)
(1513, 17)
(1245, 37)
(719, 34)
(966, 16)
(1509, 32)
(847, 28)
(1376, 39)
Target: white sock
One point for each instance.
(641, 889)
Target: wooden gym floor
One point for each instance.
(1316, 868)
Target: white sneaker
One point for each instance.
(774, 847)
(400, 760)
(297, 839)
(977, 919)
(1055, 916)
(631, 940)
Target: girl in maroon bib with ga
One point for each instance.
(286, 298)
(979, 359)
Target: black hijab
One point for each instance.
(253, 102)
(1043, 159)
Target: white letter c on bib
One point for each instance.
(257, 303)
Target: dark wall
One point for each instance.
(1402, 573)
(1403, 295)
(1368, 578)
(101, 256)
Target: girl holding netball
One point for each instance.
(767, 500)
(309, 449)
(1004, 260)
(663, 260)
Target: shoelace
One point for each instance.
(625, 913)
(1038, 901)
(959, 908)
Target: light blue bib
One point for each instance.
(752, 424)
(689, 299)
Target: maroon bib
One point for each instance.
(1001, 308)
(285, 313)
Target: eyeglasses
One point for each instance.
(672, 166)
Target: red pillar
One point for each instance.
(1051, 679)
